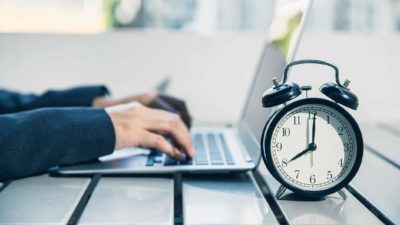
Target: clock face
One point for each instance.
(314, 145)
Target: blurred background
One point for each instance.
(208, 49)
(200, 16)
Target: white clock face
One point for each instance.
(313, 147)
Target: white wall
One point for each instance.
(211, 72)
(370, 62)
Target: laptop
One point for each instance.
(221, 149)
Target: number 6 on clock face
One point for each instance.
(312, 146)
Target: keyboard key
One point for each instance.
(215, 155)
(150, 161)
(198, 143)
(217, 162)
(154, 157)
(187, 162)
(157, 160)
(170, 161)
(200, 157)
(201, 163)
(226, 151)
(230, 161)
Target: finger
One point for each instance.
(122, 107)
(172, 125)
(159, 103)
(172, 106)
(151, 140)
(175, 106)
(183, 112)
(179, 106)
(147, 97)
(179, 133)
(177, 130)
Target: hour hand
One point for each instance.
(300, 154)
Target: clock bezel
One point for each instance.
(266, 151)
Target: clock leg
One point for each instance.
(342, 194)
(280, 192)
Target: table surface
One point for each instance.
(247, 198)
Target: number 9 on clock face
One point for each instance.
(312, 146)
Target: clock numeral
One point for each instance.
(278, 146)
(297, 173)
(340, 130)
(340, 163)
(311, 114)
(329, 176)
(327, 119)
(285, 132)
(296, 120)
(284, 162)
(312, 179)
(346, 147)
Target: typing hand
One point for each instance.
(152, 100)
(172, 104)
(141, 126)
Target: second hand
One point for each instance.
(312, 160)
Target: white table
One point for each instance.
(246, 198)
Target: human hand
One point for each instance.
(150, 99)
(138, 125)
(172, 104)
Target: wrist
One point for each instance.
(121, 120)
(115, 119)
(102, 102)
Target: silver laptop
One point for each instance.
(221, 149)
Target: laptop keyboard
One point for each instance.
(211, 149)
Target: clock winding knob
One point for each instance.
(346, 83)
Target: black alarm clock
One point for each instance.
(312, 146)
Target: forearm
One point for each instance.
(11, 102)
(31, 142)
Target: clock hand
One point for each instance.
(312, 158)
(300, 154)
(311, 147)
(308, 140)
(313, 130)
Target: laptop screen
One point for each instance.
(282, 40)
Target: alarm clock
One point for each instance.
(312, 146)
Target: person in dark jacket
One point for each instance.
(81, 124)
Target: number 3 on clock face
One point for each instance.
(312, 146)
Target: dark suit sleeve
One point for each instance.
(11, 102)
(33, 141)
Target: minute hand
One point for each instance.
(313, 130)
